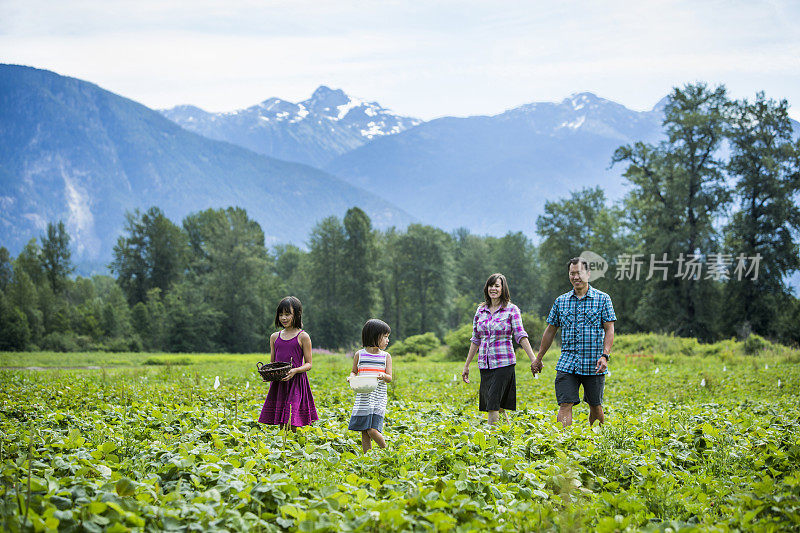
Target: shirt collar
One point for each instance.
(590, 293)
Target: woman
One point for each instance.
(496, 321)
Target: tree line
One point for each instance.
(701, 246)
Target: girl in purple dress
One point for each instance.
(289, 402)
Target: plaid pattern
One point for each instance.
(492, 332)
(581, 322)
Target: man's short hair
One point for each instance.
(579, 260)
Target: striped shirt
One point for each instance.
(492, 333)
(371, 403)
(581, 321)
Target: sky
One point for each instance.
(420, 58)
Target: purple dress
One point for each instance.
(294, 394)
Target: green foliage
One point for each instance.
(755, 344)
(458, 341)
(157, 448)
(766, 166)
(14, 331)
(678, 189)
(60, 342)
(421, 345)
(151, 254)
(55, 256)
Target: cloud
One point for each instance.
(420, 58)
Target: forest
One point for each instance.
(703, 245)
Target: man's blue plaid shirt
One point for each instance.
(581, 322)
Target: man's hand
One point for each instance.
(602, 365)
(536, 366)
(465, 374)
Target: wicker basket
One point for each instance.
(273, 371)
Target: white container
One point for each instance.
(363, 383)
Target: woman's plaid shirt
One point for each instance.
(492, 333)
(581, 322)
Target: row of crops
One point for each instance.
(689, 444)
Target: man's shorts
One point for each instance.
(567, 388)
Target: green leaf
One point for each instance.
(125, 487)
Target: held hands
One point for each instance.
(602, 365)
(536, 366)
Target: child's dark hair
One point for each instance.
(290, 304)
(372, 331)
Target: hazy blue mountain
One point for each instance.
(314, 131)
(70, 150)
(493, 174)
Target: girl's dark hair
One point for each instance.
(292, 305)
(372, 331)
(505, 294)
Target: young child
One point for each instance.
(292, 395)
(370, 407)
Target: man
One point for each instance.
(586, 318)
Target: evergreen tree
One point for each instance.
(6, 268)
(359, 289)
(55, 256)
(425, 266)
(329, 310)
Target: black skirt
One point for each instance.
(498, 389)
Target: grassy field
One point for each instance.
(691, 442)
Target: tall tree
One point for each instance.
(473, 262)
(56, 255)
(6, 268)
(425, 259)
(329, 310)
(152, 254)
(764, 162)
(678, 189)
(359, 288)
(568, 227)
(514, 256)
(231, 265)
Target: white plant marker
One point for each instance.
(247, 386)
(703, 382)
(766, 367)
(656, 372)
(724, 368)
(216, 383)
(455, 378)
(779, 383)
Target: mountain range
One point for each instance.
(443, 171)
(72, 151)
(314, 131)
(493, 174)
